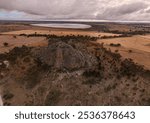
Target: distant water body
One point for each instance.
(65, 25)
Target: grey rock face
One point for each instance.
(61, 56)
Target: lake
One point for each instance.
(64, 25)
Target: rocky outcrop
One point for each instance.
(60, 56)
(80, 81)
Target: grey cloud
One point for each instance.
(79, 9)
(148, 10)
(52, 9)
(122, 10)
(130, 8)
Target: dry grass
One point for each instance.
(135, 42)
(136, 48)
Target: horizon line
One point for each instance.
(79, 20)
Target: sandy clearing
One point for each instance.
(135, 42)
(145, 36)
(19, 41)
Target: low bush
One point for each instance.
(92, 73)
(115, 45)
(5, 44)
(130, 51)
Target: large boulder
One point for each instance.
(60, 55)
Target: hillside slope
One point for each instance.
(71, 72)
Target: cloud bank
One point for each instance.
(126, 10)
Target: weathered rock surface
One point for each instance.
(62, 56)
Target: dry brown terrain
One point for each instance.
(16, 30)
(140, 45)
(136, 42)
(136, 48)
(48, 71)
(20, 41)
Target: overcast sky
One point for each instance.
(116, 10)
